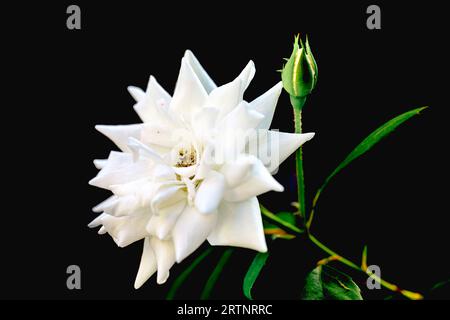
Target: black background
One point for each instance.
(394, 199)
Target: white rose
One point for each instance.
(192, 170)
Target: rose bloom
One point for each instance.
(192, 170)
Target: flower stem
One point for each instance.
(409, 294)
(332, 253)
(297, 105)
(273, 218)
(337, 257)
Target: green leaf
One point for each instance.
(253, 272)
(185, 274)
(327, 283)
(215, 274)
(371, 140)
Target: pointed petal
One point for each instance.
(102, 230)
(165, 257)
(147, 267)
(191, 231)
(123, 206)
(126, 230)
(259, 181)
(100, 163)
(247, 74)
(189, 93)
(106, 203)
(120, 134)
(120, 168)
(227, 97)
(275, 147)
(154, 106)
(202, 75)
(137, 93)
(97, 221)
(240, 225)
(266, 103)
(210, 193)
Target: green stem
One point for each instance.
(273, 218)
(297, 104)
(337, 257)
(409, 294)
(332, 253)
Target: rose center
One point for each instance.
(186, 156)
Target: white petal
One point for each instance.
(237, 171)
(191, 230)
(266, 104)
(247, 74)
(275, 147)
(137, 93)
(165, 257)
(239, 224)
(97, 221)
(210, 193)
(139, 149)
(242, 117)
(202, 75)
(126, 230)
(147, 267)
(162, 172)
(156, 134)
(227, 97)
(233, 130)
(154, 106)
(204, 120)
(100, 163)
(106, 203)
(167, 195)
(161, 225)
(206, 162)
(116, 160)
(119, 169)
(123, 206)
(189, 93)
(258, 182)
(135, 187)
(186, 172)
(120, 134)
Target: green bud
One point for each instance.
(299, 75)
